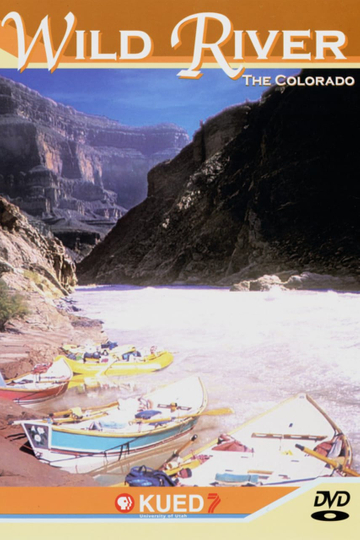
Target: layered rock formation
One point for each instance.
(78, 173)
(25, 252)
(264, 187)
(38, 268)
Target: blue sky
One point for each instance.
(141, 97)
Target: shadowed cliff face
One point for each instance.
(263, 188)
(79, 173)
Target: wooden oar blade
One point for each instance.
(218, 412)
(75, 411)
(335, 464)
(177, 452)
(98, 408)
(213, 412)
(107, 366)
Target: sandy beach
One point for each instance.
(24, 344)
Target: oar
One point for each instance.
(191, 463)
(74, 420)
(71, 411)
(173, 405)
(213, 412)
(335, 464)
(177, 453)
(106, 367)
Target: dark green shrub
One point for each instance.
(11, 304)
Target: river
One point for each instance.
(251, 349)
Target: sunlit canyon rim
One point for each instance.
(77, 173)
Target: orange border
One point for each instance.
(61, 501)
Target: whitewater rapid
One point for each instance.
(251, 349)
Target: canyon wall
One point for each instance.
(265, 187)
(78, 173)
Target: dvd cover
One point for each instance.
(179, 269)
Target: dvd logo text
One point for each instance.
(338, 500)
(171, 503)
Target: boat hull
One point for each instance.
(268, 449)
(35, 387)
(94, 368)
(93, 438)
(83, 453)
(28, 397)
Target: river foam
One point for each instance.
(251, 349)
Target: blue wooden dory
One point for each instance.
(83, 441)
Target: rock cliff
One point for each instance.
(264, 188)
(78, 173)
(39, 269)
(26, 253)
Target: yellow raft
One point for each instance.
(126, 360)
